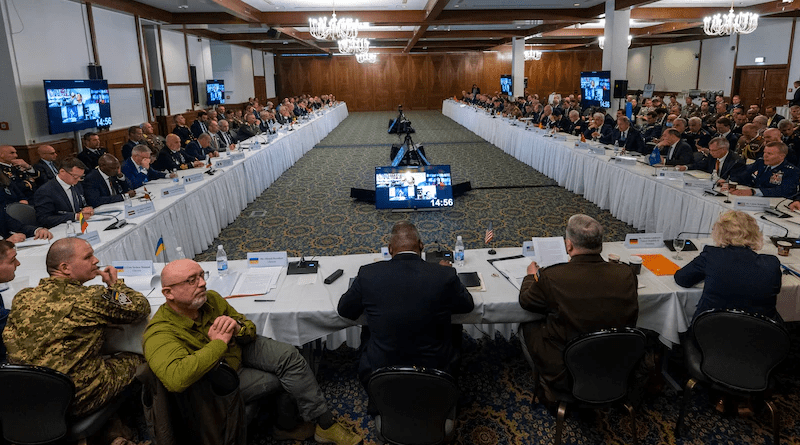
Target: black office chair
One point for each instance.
(600, 365)
(33, 407)
(23, 213)
(734, 352)
(415, 405)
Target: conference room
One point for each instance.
(286, 197)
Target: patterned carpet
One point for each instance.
(309, 211)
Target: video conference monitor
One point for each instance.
(74, 105)
(215, 92)
(413, 187)
(596, 89)
(505, 84)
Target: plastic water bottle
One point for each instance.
(458, 253)
(255, 145)
(222, 261)
(179, 253)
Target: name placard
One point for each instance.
(236, 156)
(220, 163)
(385, 254)
(138, 210)
(527, 248)
(267, 259)
(696, 184)
(197, 177)
(624, 160)
(92, 237)
(750, 203)
(133, 268)
(670, 173)
(644, 240)
(595, 150)
(256, 145)
(173, 191)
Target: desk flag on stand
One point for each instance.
(489, 237)
(583, 138)
(82, 222)
(160, 246)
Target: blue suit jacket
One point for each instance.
(781, 181)
(137, 179)
(96, 190)
(735, 278)
(53, 206)
(408, 303)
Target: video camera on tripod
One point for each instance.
(406, 153)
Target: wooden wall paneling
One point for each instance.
(363, 83)
(400, 75)
(260, 87)
(775, 83)
(64, 148)
(438, 81)
(345, 88)
(382, 84)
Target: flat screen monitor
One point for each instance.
(215, 92)
(596, 89)
(505, 84)
(413, 187)
(74, 105)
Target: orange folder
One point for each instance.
(659, 264)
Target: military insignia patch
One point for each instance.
(117, 297)
(776, 178)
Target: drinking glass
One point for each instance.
(678, 243)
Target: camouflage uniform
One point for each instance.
(60, 325)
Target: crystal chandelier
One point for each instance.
(533, 55)
(601, 41)
(335, 29)
(726, 24)
(353, 46)
(366, 57)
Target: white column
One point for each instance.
(615, 53)
(518, 66)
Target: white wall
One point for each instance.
(794, 67)
(770, 40)
(638, 65)
(674, 66)
(258, 62)
(10, 96)
(174, 49)
(269, 73)
(234, 64)
(716, 64)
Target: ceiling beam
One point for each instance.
(379, 18)
(625, 4)
(500, 33)
(203, 18)
(511, 15)
(240, 9)
(575, 32)
(293, 34)
(680, 14)
(664, 28)
(432, 10)
(134, 8)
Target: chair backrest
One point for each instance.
(33, 403)
(739, 349)
(23, 213)
(601, 363)
(414, 403)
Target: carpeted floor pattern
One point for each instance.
(309, 211)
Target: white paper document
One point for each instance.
(257, 281)
(549, 251)
(515, 269)
(30, 242)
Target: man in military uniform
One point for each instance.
(750, 145)
(689, 109)
(22, 177)
(60, 324)
(696, 136)
(154, 142)
(8, 267)
(173, 157)
(771, 175)
(183, 132)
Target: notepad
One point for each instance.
(659, 264)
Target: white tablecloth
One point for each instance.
(630, 192)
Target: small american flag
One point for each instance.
(489, 235)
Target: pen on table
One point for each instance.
(790, 270)
(262, 301)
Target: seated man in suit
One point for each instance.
(628, 137)
(225, 139)
(719, 158)
(200, 125)
(576, 125)
(181, 130)
(772, 116)
(173, 157)
(249, 129)
(213, 131)
(584, 295)
(771, 175)
(135, 135)
(598, 129)
(723, 126)
(46, 166)
(739, 121)
(201, 148)
(91, 150)
(15, 231)
(137, 168)
(62, 199)
(674, 151)
(196, 329)
(106, 184)
(418, 331)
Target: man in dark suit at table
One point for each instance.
(137, 168)
(200, 125)
(135, 135)
(62, 199)
(719, 158)
(91, 150)
(408, 303)
(46, 166)
(627, 136)
(201, 148)
(173, 157)
(773, 118)
(771, 175)
(674, 150)
(104, 185)
(249, 129)
(575, 125)
(598, 129)
(584, 295)
(15, 231)
(723, 125)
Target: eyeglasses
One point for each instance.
(78, 177)
(191, 281)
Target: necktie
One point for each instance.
(75, 199)
(52, 167)
(716, 167)
(111, 187)
(623, 136)
(203, 127)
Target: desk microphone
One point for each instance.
(773, 211)
(117, 224)
(776, 224)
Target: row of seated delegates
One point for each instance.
(173, 157)
(18, 179)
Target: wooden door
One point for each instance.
(763, 85)
(751, 86)
(260, 85)
(775, 82)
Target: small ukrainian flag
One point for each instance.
(160, 246)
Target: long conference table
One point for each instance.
(631, 193)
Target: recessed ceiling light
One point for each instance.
(183, 4)
(576, 4)
(456, 6)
